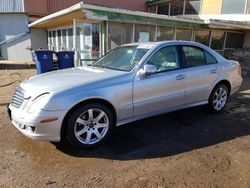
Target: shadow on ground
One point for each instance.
(172, 133)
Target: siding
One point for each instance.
(8, 6)
(34, 7)
(137, 5)
(56, 5)
(45, 7)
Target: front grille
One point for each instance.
(18, 98)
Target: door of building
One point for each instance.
(87, 42)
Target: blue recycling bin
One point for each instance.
(43, 60)
(65, 59)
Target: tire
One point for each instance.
(89, 125)
(218, 98)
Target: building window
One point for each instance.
(234, 40)
(70, 38)
(50, 40)
(248, 7)
(120, 33)
(64, 39)
(218, 38)
(144, 33)
(54, 40)
(233, 7)
(183, 34)
(202, 37)
(59, 34)
(192, 6)
(163, 9)
(78, 40)
(152, 9)
(176, 7)
(96, 41)
(165, 33)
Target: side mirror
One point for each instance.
(148, 69)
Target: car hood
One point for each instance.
(67, 78)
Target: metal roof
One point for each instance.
(95, 12)
(11, 6)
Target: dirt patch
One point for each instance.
(188, 148)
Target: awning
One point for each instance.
(59, 18)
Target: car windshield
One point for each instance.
(123, 58)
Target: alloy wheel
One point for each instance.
(220, 98)
(91, 126)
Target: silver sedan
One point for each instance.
(129, 83)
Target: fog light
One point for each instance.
(30, 128)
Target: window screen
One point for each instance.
(120, 33)
(183, 34)
(144, 33)
(202, 37)
(165, 33)
(217, 40)
(234, 40)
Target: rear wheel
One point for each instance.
(218, 98)
(89, 125)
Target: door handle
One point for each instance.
(180, 77)
(213, 71)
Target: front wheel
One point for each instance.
(89, 125)
(218, 98)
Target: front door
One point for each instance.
(163, 90)
(87, 42)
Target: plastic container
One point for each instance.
(43, 60)
(65, 59)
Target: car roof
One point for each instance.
(168, 42)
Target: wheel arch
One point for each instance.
(84, 102)
(225, 82)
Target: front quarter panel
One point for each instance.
(117, 91)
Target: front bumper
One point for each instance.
(30, 126)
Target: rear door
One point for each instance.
(201, 73)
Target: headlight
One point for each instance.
(38, 102)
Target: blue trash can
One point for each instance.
(43, 60)
(65, 59)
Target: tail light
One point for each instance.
(239, 70)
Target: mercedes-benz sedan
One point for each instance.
(129, 83)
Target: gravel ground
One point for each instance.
(188, 148)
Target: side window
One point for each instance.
(165, 59)
(209, 58)
(194, 56)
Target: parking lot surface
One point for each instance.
(188, 148)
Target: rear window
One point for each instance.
(194, 56)
(209, 58)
